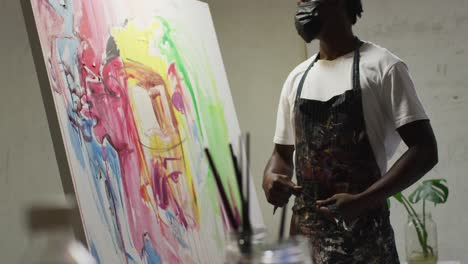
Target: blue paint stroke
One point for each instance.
(94, 252)
(130, 258)
(177, 229)
(102, 162)
(103, 184)
(66, 12)
(152, 257)
(75, 140)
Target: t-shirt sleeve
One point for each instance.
(400, 98)
(284, 132)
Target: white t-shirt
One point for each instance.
(388, 95)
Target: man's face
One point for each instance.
(330, 12)
(327, 7)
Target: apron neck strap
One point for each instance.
(356, 71)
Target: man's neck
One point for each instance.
(333, 46)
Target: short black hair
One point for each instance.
(354, 8)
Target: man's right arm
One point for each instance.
(277, 183)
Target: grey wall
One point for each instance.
(28, 168)
(431, 37)
(259, 47)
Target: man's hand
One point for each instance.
(348, 206)
(279, 188)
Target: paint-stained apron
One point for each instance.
(333, 155)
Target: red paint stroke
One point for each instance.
(177, 96)
(108, 105)
(180, 202)
(104, 99)
(162, 181)
(48, 34)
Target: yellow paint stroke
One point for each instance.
(146, 70)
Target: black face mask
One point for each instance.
(307, 20)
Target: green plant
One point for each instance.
(435, 191)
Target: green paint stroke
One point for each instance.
(209, 108)
(173, 54)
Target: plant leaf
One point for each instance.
(443, 188)
(431, 190)
(415, 196)
(398, 197)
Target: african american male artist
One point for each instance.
(342, 113)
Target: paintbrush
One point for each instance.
(236, 170)
(282, 223)
(245, 216)
(222, 192)
(247, 226)
(245, 237)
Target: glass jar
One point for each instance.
(233, 251)
(295, 250)
(421, 239)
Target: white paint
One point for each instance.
(106, 224)
(28, 168)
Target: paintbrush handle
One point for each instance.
(282, 223)
(222, 192)
(237, 171)
(247, 172)
(245, 220)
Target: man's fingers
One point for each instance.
(281, 190)
(282, 198)
(285, 184)
(279, 203)
(297, 190)
(321, 203)
(289, 184)
(279, 200)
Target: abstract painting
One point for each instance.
(140, 90)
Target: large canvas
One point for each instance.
(140, 90)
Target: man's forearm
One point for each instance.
(277, 165)
(280, 163)
(412, 165)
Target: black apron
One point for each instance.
(334, 155)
